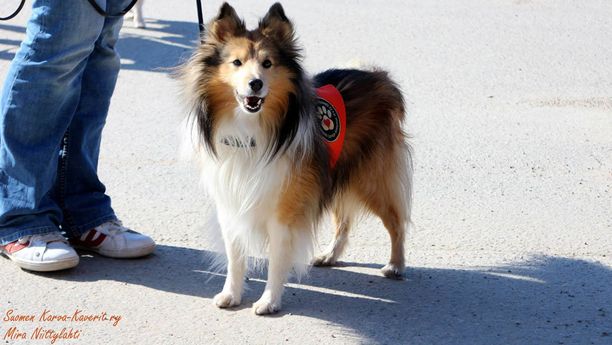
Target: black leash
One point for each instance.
(93, 3)
(103, 13)
(11, 16)
(201, 26)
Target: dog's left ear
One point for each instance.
(276, 24)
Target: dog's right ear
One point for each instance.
(276, 24)
(226, 24)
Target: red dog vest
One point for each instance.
(332, 120)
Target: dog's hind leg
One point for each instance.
(392, 216)
(391, 200)
(337, 245)
(343, 214)
(396, 226)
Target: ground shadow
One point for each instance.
(8, 53)
(163, 44)
(13, 28)
(546, 300)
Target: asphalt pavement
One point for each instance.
(510, 108)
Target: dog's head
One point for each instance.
(257, 71)
(256, 64)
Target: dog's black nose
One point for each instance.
(256, 84)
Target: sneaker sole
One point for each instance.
(121, 254)
(47, 266)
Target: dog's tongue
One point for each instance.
(252, 101)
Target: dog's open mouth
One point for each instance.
(252, 103)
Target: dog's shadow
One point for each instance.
(544, 300)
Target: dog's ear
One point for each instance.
(226, 24)
(276, 24)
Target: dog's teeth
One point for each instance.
(247, 103)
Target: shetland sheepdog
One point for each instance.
(264, 157)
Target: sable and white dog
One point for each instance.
(264, 159)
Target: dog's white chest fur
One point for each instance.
(246, 187)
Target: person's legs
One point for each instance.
(89, 221)
(39, 98)
(79, 191)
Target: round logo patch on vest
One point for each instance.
(329, 123)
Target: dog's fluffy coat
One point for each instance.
(265, 162)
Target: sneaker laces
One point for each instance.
(46, 238)
(111, 228)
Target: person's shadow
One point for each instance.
(547, 300)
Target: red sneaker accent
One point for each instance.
(90, 236)
(89, 240)
(14, 247)
(98, 241)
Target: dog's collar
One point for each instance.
(236, 142)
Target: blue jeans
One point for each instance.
(53, 107)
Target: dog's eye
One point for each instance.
(266, 64)
(237, 62)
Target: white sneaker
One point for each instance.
(41, 253)
(114, 240)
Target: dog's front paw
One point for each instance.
(324, 260)
(226, 300)
(266, 306)
(393, 271)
